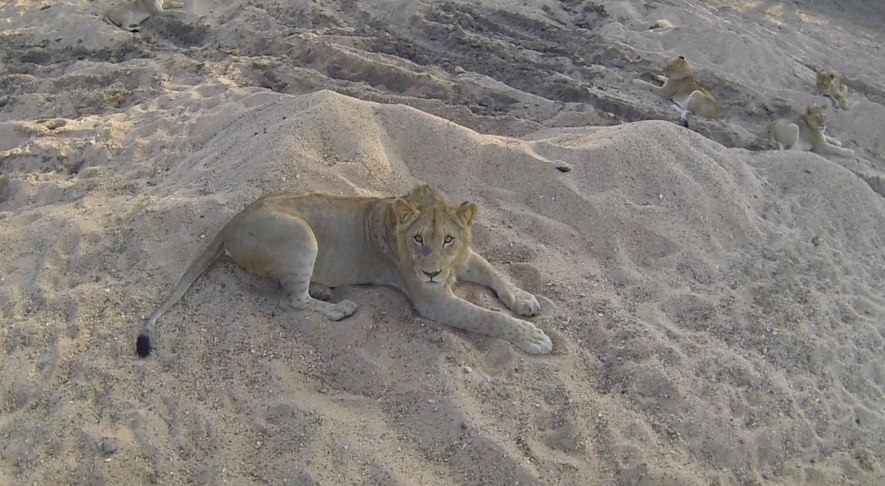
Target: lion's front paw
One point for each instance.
(521, 303)
(336, 312)
(533, 340)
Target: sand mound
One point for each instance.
(712, 309)
(716, 313)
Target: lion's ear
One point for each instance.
(466, 211)
(404, 211)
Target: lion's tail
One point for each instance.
(196, 268)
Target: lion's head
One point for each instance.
(816, 117)
(825, 80)
(678, 68)
(432, 236)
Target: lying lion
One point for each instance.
(681, 86)
(829, 85)
(807, 133)
(417, 243)
(128, 16)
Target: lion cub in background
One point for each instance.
(128, 16)
(829, 85)
(807, 133)
(681, 86)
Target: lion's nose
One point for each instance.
(431, 274)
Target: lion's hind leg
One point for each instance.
(278, 243)
(702, 104)
(784, 134)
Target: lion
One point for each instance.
(807, 133)
(417, 243)
(128, 16)
(681, 86)
(829, 85)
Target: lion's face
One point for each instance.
(825, 79)
(432, 237)
(677, 68)
(816, 117)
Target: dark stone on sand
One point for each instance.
(107, 446)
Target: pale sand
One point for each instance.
(717, 314)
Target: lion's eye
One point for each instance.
(418, 239)
(449, 239)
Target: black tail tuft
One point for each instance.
(143, 345)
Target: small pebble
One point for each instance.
(107, 447)
(467, 369)
(815, 241)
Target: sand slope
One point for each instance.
(717, 314)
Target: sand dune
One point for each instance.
(716, 312)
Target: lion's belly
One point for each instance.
(339, 264)
(345, 256)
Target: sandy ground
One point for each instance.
(717, 310)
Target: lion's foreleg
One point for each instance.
(831, 140)
(823, 146)
(658, 90)
(826, 148)
(479, 270)
(446, 308)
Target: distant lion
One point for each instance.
(829, 85)
(418, 243)
(807, 133)
(128, 16)
(681, 86)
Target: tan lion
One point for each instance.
(128, 16)
(417, 243)
(681, 86)
(807, 133)
(829, 85)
